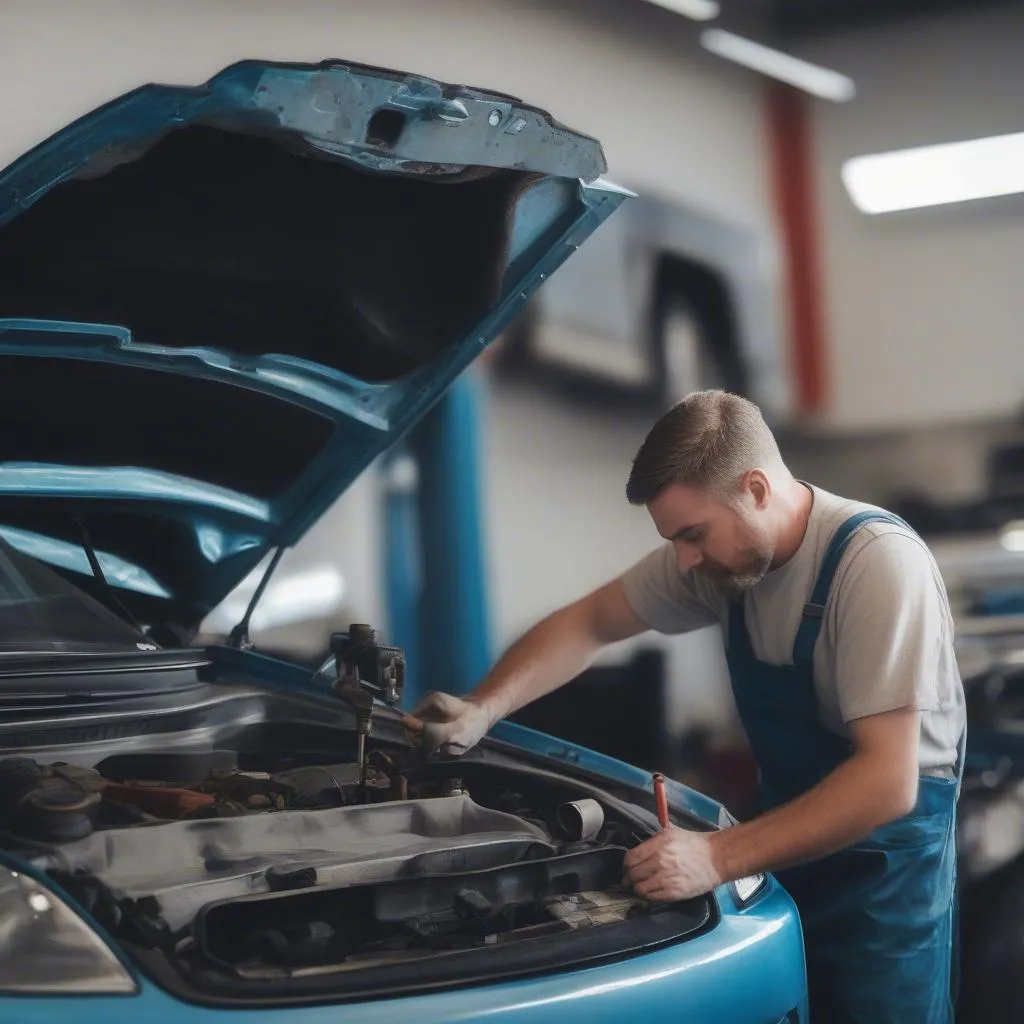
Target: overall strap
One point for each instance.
(814, 610)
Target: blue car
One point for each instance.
(219, 305)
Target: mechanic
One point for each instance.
(840, 651)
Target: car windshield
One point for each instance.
(42, 613)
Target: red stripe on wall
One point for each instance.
(789, 127)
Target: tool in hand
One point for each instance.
(660, 799)
(661, 802)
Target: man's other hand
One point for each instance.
(673, 865)
(445, 724)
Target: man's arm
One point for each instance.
(554, 651)
(653, 594)
(873, 787)
(558, 649)
(877, 784)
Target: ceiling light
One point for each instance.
(951, 172)
(698, 10)
(1011, 537)
(819, 81)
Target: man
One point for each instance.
(839, 646)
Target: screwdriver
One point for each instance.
(660, 799)
(662, 804)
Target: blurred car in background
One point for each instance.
(218, 306)
(664, 300)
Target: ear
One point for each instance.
(760, 488)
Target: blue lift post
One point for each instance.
(403, 571)
(434, 548)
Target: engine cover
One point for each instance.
(188, 864)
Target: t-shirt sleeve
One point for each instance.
(668, 600)
(891, 620)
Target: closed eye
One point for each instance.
(692, 536)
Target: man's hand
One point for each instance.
(673, 865)
(446, 724)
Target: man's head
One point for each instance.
(708, 473)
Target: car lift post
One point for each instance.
(434, 551)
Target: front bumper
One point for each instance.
(747, 970)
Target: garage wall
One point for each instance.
(924, 307)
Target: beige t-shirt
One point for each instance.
(886, 638)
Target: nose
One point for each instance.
(688, 557)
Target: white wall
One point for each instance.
(672, 119)
(924, 308)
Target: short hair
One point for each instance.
(707, 441)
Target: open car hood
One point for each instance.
(219, 304)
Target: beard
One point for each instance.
(753, 564)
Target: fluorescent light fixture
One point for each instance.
(819, 81)
(698, 10)
(1011, 537)
(952, 172)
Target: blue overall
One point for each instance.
(879, 916)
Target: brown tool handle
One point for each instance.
(660, 799)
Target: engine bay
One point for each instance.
(239, 871)
(254, 845)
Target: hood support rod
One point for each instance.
(239, 636)
(113, 602)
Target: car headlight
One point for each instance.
(747, 888)
(744, 889)
(45, 947)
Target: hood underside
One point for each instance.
(218, 305)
